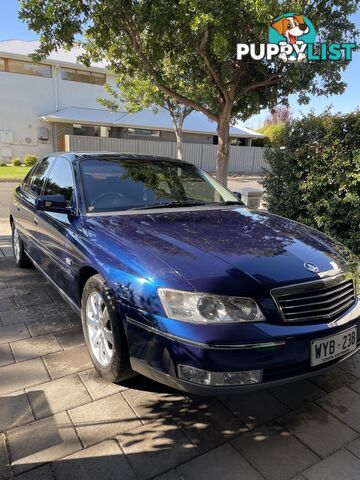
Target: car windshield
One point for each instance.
(116, 184)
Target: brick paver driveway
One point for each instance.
(58, 420)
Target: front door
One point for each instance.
(52, 228)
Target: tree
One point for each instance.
(198, 39)
(278, 115)
(139, 93)
(273, 125)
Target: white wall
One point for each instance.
(25, 98)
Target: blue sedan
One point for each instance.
(177, 280)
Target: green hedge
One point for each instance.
(16, 162)
(314, 175)
(30, 160)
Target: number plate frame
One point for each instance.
(339, 350)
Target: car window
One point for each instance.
(112, 184)
(36, 180)
(28, 177)
(61, 180)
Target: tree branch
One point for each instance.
(133, 36)
(234, 84)
(264, 83)
(213, 74)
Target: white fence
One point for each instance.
(245, 160)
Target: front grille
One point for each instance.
(323, 299)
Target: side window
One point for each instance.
(61, 180)
(27, 180)
(36, 180)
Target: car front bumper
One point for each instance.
(282, 357)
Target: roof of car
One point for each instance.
(76, 156)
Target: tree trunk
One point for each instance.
(179, 143)
(223, 149)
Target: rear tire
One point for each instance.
(21, 260)
(104, 332)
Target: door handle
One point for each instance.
(36, 221)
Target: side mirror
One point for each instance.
(52, 203)
(237, 194)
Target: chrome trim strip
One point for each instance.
(246, 346)
(61, 292)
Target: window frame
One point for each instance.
(7, 70)
(75, 72)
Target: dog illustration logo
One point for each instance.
(291, 27)
(295, 30)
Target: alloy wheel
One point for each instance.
(99, 328)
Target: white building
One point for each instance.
(40, 104)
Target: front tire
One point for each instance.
(104, 332)
(21, 260)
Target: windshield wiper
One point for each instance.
(185, 203)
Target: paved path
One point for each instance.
(59, 420)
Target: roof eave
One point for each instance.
(51, 119)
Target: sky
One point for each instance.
(12, 28)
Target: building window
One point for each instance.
(239, 142)
(143, 132)
(25, 68)
(83, 76)
(91, 130)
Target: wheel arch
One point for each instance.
(84, 274)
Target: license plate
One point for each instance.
(329, 348)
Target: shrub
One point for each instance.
(314, 175)
(30, 160)
(271, 132)
(16, 162)
(3, 164)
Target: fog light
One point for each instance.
(203, 377)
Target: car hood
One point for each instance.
(223, 249)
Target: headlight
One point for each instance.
(207, 308)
